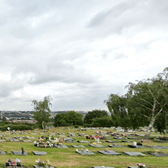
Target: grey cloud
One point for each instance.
(142, 14)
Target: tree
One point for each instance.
(67, 119)
(144, 104)
(117, 107)
(94, 114)
(42, 110)
(102, 122)
(148, 101)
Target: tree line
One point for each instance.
(144, 104)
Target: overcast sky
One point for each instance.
(78, 51)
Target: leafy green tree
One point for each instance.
(42, 110)
(144, 104)
(117, 107)
(102, 122)
(94, 114)
(148, 101)
(74, 118)
(60, 120)
(67, 119)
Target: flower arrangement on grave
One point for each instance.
(141, 165)
(41, 163)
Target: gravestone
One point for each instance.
(14, 140)
(109, 152)
(36, 166)
(159, 154)
(109, 141)
(160, 147)
(78, 146)
(2, 153)
(27, 141)
(40, 153)
(85, 152)
(120, 138)
(146, 136)
(69, 140)
(61, 146)
(101, 167)
(83, 141)
(19, 153)
(134, 153)
(116, 146)
(97, 146)
(2, 140)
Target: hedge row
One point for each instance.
(16, 126)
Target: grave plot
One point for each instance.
(120, 138)
(71, 134)
(134, 153)
(19, 153)
(36, 166)
(139, 146)
(159, 147)
(116, 146)
(2, 153)
(135, 167)
(81, 134)
(97, 146)
(61, 146)
(69, 140)
(2, 140)
(27, 141)
(14, 140)
(84, 152)
(159, 154)
(109, 152)
(78, 146)
(133, 138)
(40, 153)
(105, 137)
(127, 141)
(83, 141)
(109, 141)
(101, 167)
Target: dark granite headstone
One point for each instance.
(97, 146)
(78, 146)
(35, 166)
(116, 146)
(2, 153)
(61, 146)
(112, 141)
(84, 152)
(27, 141)
(19, 153)
(83, 141)
(40, 153)
(101, 167)
(134, 153)
(159, 154)
(109, 152)
(160, 147)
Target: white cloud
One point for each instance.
(78, 52)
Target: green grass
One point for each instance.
(67, 158)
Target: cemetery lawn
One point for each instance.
(68, 158)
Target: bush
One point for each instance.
(87, 125)
(16, 126)
(102, 122)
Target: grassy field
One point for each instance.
(62, 158)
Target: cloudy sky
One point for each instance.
(78, 51)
